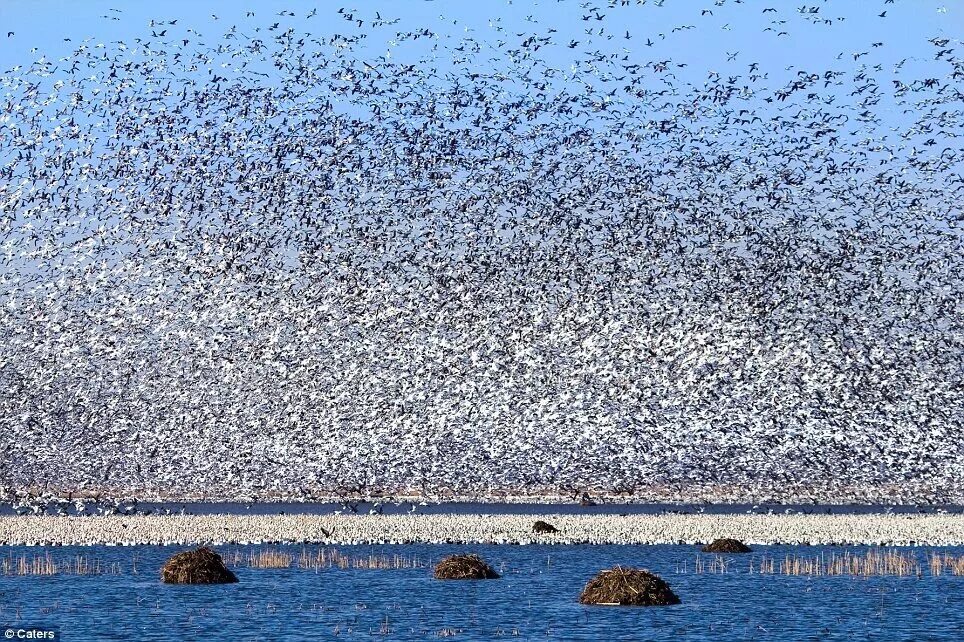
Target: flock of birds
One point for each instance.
(288, 264)
(183, 530)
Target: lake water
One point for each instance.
(536, 599)
(493, 508)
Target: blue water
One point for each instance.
(536, 599)
(486, 508)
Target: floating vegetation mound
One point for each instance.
(464, 567)
(543, 527)
(202, 566)
(628, 587)
(726, 545)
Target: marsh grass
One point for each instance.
(47, 564)
(333, 558)
(320, 559)
(873, 563)
(269, 558)
(716, 564)
(946, 563)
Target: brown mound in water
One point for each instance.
(464, 567)
(544, 527)
(726, 545)
(202, 566)
(628, 587)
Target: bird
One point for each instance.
(368, 260)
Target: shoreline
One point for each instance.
(184, 530)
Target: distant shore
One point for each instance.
(865, 529)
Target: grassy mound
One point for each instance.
(464, 567)
(726, 545)
(544, 527)
(202, 566)
(628, 587)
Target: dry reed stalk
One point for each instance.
(329, 558)
(717, 564)
(873, 563)
(946, 563)
(385, 628)
(48, 565)
(447, 632)
(269, 559)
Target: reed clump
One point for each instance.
(46, 564)
(873, 563)
(262, 558)
(447, 632)
(628, 587)
(202, 566)
(464, 567)
(716, 564)
(542, 527)
(333, 558)
(726, 545)
(941, 563)
(270, 559)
